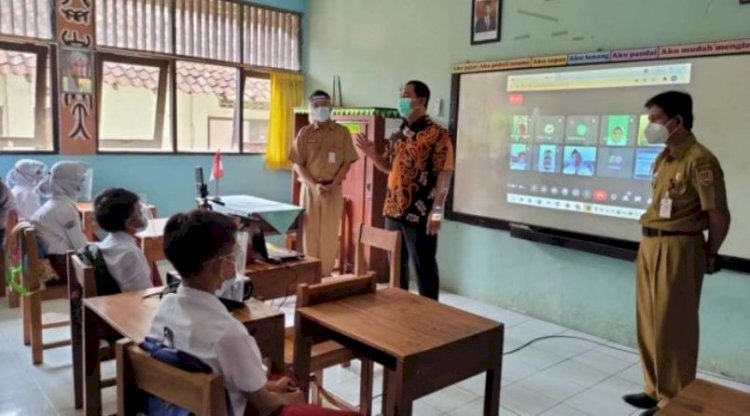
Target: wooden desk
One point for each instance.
(152, 244)
(423, 345)
(131, 316)
(88, 222)
(271, 281)
(704, 398)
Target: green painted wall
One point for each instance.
(375, 46)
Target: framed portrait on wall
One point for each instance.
(76, 69)
(486, 21)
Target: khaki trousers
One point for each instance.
(668, 288)
(322, 222)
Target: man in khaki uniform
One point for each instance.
(689, 197)
(322, 153)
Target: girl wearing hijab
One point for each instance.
(57, 221)
(22, 181)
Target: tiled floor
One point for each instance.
(553, 377)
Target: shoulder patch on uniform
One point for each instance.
(706, 174)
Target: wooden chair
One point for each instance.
(390, 241)
(82, 285)
(32, 303)
(328, 353)
(14, 300)
(201, 394)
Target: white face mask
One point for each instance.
(321, 114)
(657, 133)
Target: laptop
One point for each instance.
(271, 253)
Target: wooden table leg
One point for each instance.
(92, 379)
(76, 341)
(492, 392)
(276, 346)
(302, 349)
(396, 399)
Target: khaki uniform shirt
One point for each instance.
(691, 176)
(323, 149)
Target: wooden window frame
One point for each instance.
(157, 140)
(44, 56)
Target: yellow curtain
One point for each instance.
(286, 93)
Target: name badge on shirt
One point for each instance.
(665, 207)
(332, 157)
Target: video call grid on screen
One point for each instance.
(530, 139)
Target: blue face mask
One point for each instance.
(404, 107)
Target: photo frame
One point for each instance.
(76, 71)
(486, 21)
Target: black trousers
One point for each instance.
(421, 249)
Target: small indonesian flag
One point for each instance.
(217, 168)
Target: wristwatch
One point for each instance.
(437, 214)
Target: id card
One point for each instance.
(665, 207)
(332, 157)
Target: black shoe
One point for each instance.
(640, 400)
(650, 412)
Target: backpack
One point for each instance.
(155, 406)
(105, 283)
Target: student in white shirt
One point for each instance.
(58, 222)
(22, 181)
(118, 211)
(201, 245)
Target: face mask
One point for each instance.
(227, 284)
(321, 114)
(657, 133)
(404, 107)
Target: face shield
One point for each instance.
(26, 173)
(66, 179)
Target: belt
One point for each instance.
(652, 232)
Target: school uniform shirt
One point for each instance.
(27, 201)
(202, 326)
(59, 226)
(126, 262)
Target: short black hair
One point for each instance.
(191, 239)
(674, 103)
(113, 207)
(421, 90)
(317, 94)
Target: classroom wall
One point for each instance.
(168, 180)
(375, 46)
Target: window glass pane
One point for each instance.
(26, 18)
(256, 114)
(144, 25)
(132, 97)
(23, 126)
(204, 93)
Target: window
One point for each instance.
(25, 111)
(208, 29)
(144, 25)
(271, 38)
(205, 92)
(26, 18)
(208, 46)
(257, 109)
(134, 106)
